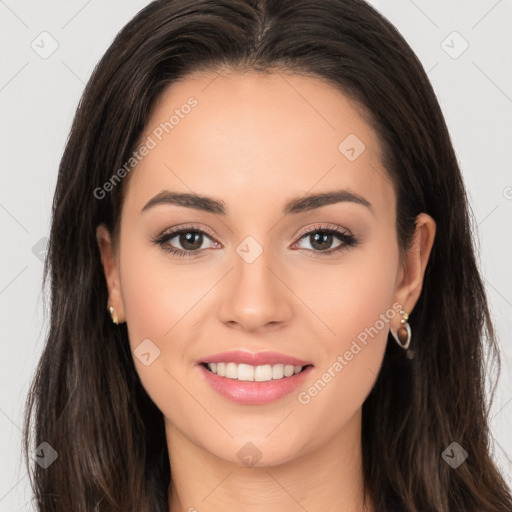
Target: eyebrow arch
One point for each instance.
(311, 202)
(218, 207)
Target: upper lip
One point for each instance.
(254, 358)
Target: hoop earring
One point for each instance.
(113, 314)
(403, 335)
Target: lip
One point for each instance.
(254, 358)
(252, 392)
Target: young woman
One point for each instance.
(264, 293)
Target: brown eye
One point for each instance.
(321, 240)
(184, 242)
(190, 240)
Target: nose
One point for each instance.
(255, 297)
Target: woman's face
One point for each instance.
(262, 273)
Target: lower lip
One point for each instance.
(254, 393)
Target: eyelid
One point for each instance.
(323, 226)
(299, 236)
(190, 227)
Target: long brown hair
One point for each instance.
(86, 399)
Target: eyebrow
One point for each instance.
(218, 207)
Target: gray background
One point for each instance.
(39, 92)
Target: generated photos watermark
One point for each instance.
(151, 142)
(342, 360)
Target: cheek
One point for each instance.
(358, 310)
(351, 297)
(157, 299)
(157, 296)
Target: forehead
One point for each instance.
(258, 137)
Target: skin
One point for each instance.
(255, 142)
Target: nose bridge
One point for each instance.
(255, 296)
(252, 268)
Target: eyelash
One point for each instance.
(347, 239)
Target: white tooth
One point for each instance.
(231, 371)
(221, 369)
(263, 373)
(277, 371)
(245, 372)
(288, 370)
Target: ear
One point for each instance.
(111, 270)
(412, 271)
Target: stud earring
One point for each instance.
(403, 335)
(113, 314)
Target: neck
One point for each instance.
(328, 478)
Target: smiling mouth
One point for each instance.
(249, 373)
